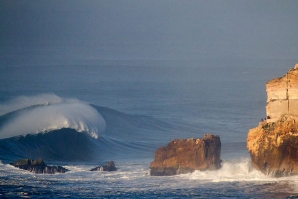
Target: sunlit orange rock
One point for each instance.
(187, 155)
(273, 144)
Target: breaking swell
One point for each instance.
(48, 126)
(68, 130)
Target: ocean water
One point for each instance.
(80, 115)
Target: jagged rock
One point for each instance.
(273, 144)
(110, 166)
(38, 166)
(187, 155)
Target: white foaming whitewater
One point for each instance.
(50, 113)
(232, 170)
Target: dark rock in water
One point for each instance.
(110, 166)
(185, 156)
(38, 166)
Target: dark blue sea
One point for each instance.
(82, 114)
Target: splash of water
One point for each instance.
(232, 170)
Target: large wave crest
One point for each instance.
(47, 112)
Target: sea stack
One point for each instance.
(187, 155)
(273, 144)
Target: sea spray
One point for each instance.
(27, 101)
(232, 170)
(46, 115)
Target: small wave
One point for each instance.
(42, 114)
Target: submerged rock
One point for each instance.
(273, 144)
(187, 155)
(110, 166)
(38, 166)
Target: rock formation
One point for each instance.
(273, 144)
(38, 166)
(282, 95)
(187, 155)
(110, 166)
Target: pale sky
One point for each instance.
(165, 29)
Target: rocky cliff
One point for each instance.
(187, 155)
(282, 95)
(273, 144)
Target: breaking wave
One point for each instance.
(48, 112)
(58, 129)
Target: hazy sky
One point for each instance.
(164, 29)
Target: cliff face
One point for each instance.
(184, 156)
(282, 95)
(273, 144)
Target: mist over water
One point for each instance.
(25, 101)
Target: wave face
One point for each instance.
(58, 129)
(50, 127)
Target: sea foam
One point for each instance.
(45, 113)
(232, 170)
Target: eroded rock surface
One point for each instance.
(273, 146)
(38, 166)
(187, 155)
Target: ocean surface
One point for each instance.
(82, 114)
